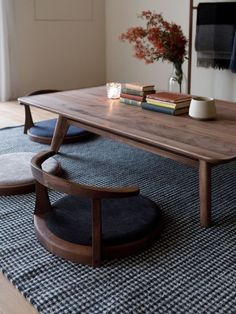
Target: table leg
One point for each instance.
(59, 133)
(205, 193)
(28, 119)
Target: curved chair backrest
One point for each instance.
(72, 188)
(45, 180)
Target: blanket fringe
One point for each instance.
(213, 63)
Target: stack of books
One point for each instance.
(167, 102)
(135, 93)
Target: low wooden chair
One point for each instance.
(91, 223)
(42, 132)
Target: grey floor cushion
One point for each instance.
(15, 170)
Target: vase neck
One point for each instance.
(176, 83)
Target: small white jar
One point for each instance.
(202, 108)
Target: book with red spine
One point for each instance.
(134, 97)
(170, 97)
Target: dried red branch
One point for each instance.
(159, 39)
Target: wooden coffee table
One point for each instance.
(203, 144)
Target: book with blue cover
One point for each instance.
(170, 111)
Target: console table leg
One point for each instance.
(59, 133)
(205, 193)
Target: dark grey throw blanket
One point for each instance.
(215, 37)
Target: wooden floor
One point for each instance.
(11, 301)
(12, 114)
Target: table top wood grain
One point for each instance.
(213, 141)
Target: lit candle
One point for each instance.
(113, 90)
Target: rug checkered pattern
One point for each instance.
(188, 270)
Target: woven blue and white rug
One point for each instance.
(188, 270)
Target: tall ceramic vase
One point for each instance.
(177, 81)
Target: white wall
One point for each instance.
(74, 54)
(59, 54)
(123, 67)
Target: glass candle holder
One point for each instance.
(113, 90)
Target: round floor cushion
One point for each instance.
(15, 172)
(124, 220)
(46, 128)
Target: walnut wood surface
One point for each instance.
(205, 192)
(193, 142)
(28, 119)
(82, 253)
(213, 141)
(93, 254)
(28, 116)
(96, 232)
(69, 187)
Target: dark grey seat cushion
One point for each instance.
(123, 219)
(46, 129)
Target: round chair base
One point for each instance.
(15, 172)
(42, 132)
(129, 225)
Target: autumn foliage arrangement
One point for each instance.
(158, 40)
